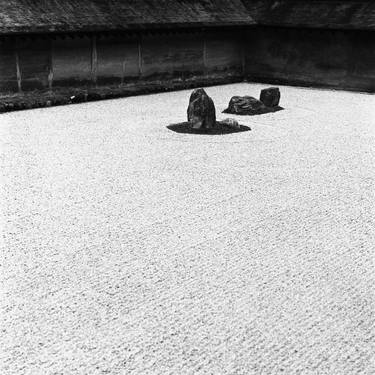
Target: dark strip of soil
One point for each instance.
(255, 113)
(64, 96)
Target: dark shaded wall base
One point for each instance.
(304, 83)
(311, 57)
(64, 96)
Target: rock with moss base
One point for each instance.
(201, 112)
(245, 105)
(231, 123)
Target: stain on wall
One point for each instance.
(8, 72)
(171, 55)
(223, 53)
(362, 63)
(71, 61)
(117, 59)
(191, 54)
(34, 63)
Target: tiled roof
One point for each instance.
(329, 14)
(41, 16)
(46, 16)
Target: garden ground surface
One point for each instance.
(128, 248)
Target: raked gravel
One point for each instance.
(130, 249)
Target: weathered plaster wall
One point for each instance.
(342, 59)
(99, 60)
(333, 58)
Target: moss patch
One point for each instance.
(219, 129)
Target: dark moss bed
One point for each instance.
(70, 95)
(220, 129)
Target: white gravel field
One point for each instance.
(127, 248)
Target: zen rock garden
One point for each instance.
(201, 112)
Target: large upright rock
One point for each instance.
(270, 97)
(201, 111)
(245, 105)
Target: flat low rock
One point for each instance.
(245, 105)
(270, 96)
(201, 112)
(231, 123)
